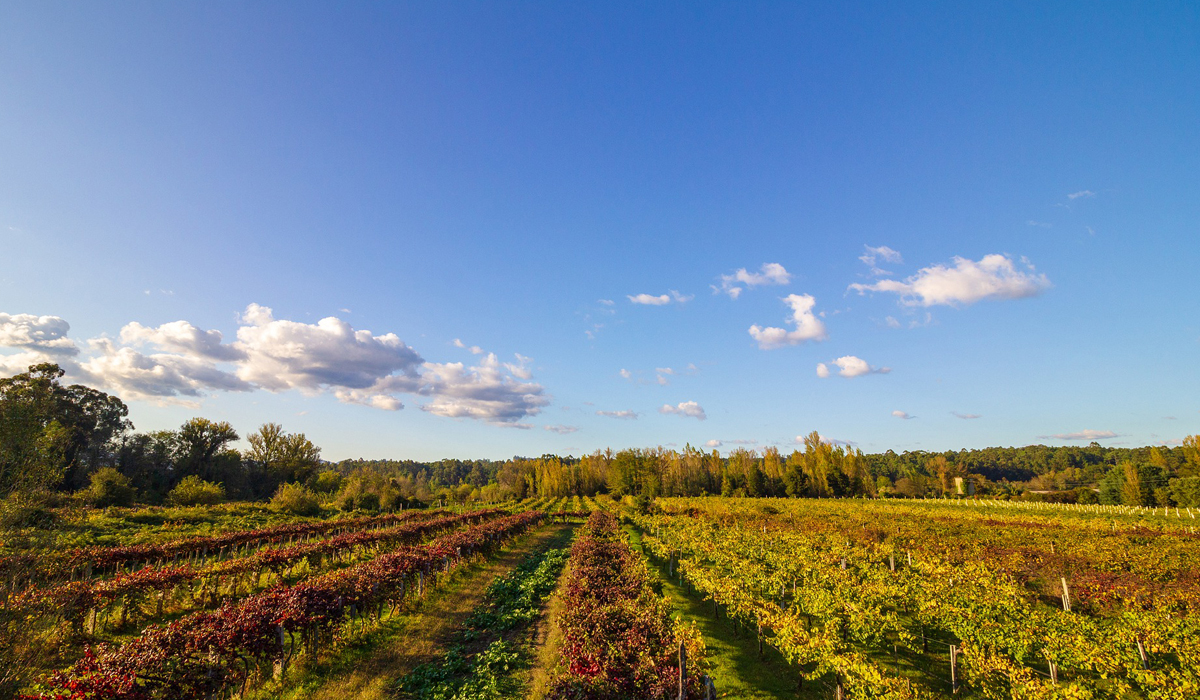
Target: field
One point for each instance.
(599, 598)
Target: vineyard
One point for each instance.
(908, 600)
(847, 598)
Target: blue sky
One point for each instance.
(1026, 180)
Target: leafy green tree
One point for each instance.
(52, 434)
(283, 456)
(1186, 491)
(199, 442)
(1131, 485)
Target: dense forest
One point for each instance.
(76, 439)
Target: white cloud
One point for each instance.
(891, 322)
(649, 299)
(807, 325)
(606, 302)
(850, 366)
(21, 361)
(661, 299)
(620, 415)
(992, 277)
(183, 338)
(561, 429)
(873, 255)
(965, 416)
(1081, 193)
(474, 349)
(483, 392)
(688, 409)
(160, 377)
(1083, 435)
(282, 355)
(44, 334)
(769, 273)
(713, 443)
(1039, 224)
(626, 374)
(902, 415)
(330, 356)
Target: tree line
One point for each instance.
(70, 438)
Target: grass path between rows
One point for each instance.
(735, 666)
(367, 668)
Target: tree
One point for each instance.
(1131, 485)
(199, 443)
(285, 457)
(52, 434)
(1191, 455)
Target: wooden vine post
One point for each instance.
(954, 668)
(682, 671)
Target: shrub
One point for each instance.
(194, 491)
(109, 487)
(295, 499)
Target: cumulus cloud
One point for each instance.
(160, 377)
(44, 334)
(183, 338)
(330, 356)
(1083, 435)
(807, 325)
(850, 366)
(966, 282)
(561, 429)
(282, 355)
(713, 443)
(873, 255)
(620, 415)
(483, 392)
(902, 415)
(736, 283)
(660, 300)
(687, 409)
(965, 416)
(626, 374)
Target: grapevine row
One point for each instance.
(206, 652)
(620, 640)
(73, 601)
(87, 560)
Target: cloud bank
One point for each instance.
(179, 363)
